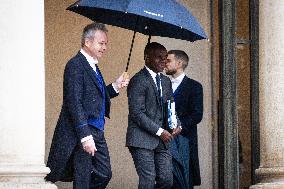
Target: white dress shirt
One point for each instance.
(92, 61)
(177, 81)
(153, 74)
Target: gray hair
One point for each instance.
(89, 31)
(180, 55)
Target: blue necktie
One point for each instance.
(99, 79)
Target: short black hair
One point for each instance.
(89, 31)
(180, 55)
(152, 46)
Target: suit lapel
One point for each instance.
(182, 85)
(164, 88)
(89, 70)
(106, 93)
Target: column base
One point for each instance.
(14, 176)
(271, 178)
(271, 174)
(10, 185)
(268, 186)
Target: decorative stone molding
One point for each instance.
(9, 185)
(268, 186)
(24, 176)
(271, 170)
(271, 174)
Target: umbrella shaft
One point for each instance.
(130, 51)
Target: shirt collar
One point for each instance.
(178, 79)
(90, 59)
(153, 74)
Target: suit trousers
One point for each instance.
(92, 172)
(154, 167)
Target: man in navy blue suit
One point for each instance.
(188, 95)
(79, 151)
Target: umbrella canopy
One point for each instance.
(165, 18)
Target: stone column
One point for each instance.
(22, 95)
(271, 61)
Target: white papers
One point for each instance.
(172, 119)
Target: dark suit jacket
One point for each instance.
(189, 107)
(82, 99)
(145, 115)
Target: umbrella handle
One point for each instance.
(149, 38)
(129, 55)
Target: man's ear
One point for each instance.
(179, 64)
(88, 43)
(145, 57)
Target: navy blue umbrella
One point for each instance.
(165, 18)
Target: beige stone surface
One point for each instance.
(215, 71)
(271, 93)
(43, 185)
(243, 90)
(279, 185)
(62, 41)
(243, 109)
(22, 110)
(272, 83)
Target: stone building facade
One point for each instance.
(242, 90)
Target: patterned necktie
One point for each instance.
(158, 82)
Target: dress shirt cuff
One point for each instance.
(115, 88)
(86, 138)
(159, 132)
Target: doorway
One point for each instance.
(235, 35)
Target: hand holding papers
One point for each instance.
(172, 119)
